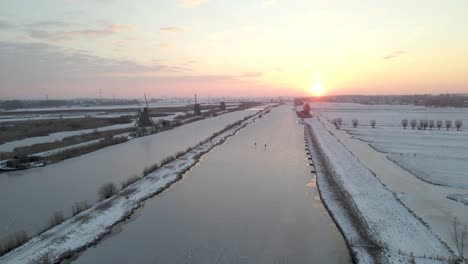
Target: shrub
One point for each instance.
(107, 190)
(131, 180)
(150, 169)
(13, 241)
(167, 160)
(458, 124)
(404, 123)
(80, 207)
(355, 123)
(56, 219)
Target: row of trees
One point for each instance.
(339, 121)
(415, 124)
(424, 124)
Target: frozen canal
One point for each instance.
(241, 204)
(28, 198)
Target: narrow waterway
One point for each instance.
(241, 204)
(28, 198)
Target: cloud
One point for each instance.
(394, 54)
(171, 29)
(251, 75)
(47, 23)
(44, 63)
(68, 35)
(191, 3)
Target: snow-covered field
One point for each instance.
(426, 169)
(393, 230)
(89, 225)
(436, 156)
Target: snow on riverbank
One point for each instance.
(89, 226)
(372, 214)
(462, 198)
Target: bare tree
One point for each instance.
(306, 109)
(448, 124)
(340, 121)
(413, 123)
(423, 124)
(336, 123)
(373, 122)
(439, 124)
(459, 236)
(431, 124)
(404, 123)
(355, 123)
(458, 124)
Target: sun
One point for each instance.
(317, 88)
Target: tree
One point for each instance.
(336, 122)
(431, 124)
(373, 122)
(340, 121)
(306, 109)
(404, 123)
(355, 123)
(439, 124)
(458, 124)
(222, 106)
(413, 123)
(459, 236)
(448, 124)
(425, 124)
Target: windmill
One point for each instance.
(144, 117)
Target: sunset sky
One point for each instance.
(73, 48)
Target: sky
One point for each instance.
(124, 48)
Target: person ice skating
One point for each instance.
(255, 144)
(265, 146)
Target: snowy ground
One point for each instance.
(438, 157)
(429, 172)
(88, 226)
(389, 226)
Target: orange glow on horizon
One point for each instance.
(317, 89)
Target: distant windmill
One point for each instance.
(196, 107)
(144, 117)
(222, 105)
